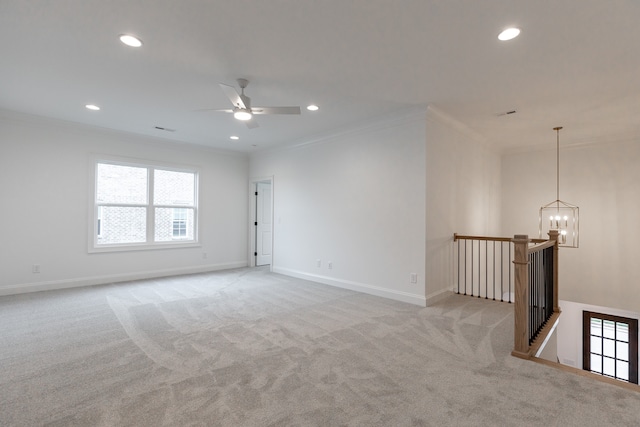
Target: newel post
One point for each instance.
(521, 284)
(553, 235)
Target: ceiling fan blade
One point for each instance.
(275, 110)
(233, 95)
(252, 124)
(224, 110)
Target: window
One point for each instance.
(179, 223)
(610, 346)
(143, 206)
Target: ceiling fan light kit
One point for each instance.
(242, 109)
(242, 114)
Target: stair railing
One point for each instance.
(522, 271)
(536, 292)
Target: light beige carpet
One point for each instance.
(251, 348)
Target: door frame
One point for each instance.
(253, 182)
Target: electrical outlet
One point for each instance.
(329, 265)
(318, 263)
(35, 268)
(414, 278)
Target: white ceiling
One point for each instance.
(576, 64)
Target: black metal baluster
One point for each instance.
(472, 268)
(550, 283)
(537, 286)
(538, 291)
(510, 267)
(494, 270)
(458, 271)
(530, 267)
(486, 269)
(535, 297)
(501, 270)
(465, 267)
(479, 267)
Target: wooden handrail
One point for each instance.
(457, 236)
(544, 245)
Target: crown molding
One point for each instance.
(389, 121)
(33, 120)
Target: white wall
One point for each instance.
(463, 194)
(356, 199)
(45, 174)
(602, 179)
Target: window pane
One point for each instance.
(608, 348)
(120, 224)
(596, 363)
(173, 188)
(170, 227)
(596, 345)
(622, 330)
(623, 370)
(609, 367)
(596, 327)
(623, 350)
(121, 184)
(608, 328)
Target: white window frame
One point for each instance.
(149, 244)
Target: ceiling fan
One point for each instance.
(242, 109)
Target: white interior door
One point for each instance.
(264, 225)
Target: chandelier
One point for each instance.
(559, 215)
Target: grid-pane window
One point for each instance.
(610, 346)
(174, 224)
(141, 205)
(179, 222)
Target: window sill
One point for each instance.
(143, 246)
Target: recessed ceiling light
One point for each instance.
(235, 138)
(130, 40)
(509, 33)
(312, 107)
(92, 107)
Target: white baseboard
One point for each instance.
(438, 296)
(354, 286)
(114, 278)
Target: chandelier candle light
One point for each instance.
(562, 216)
